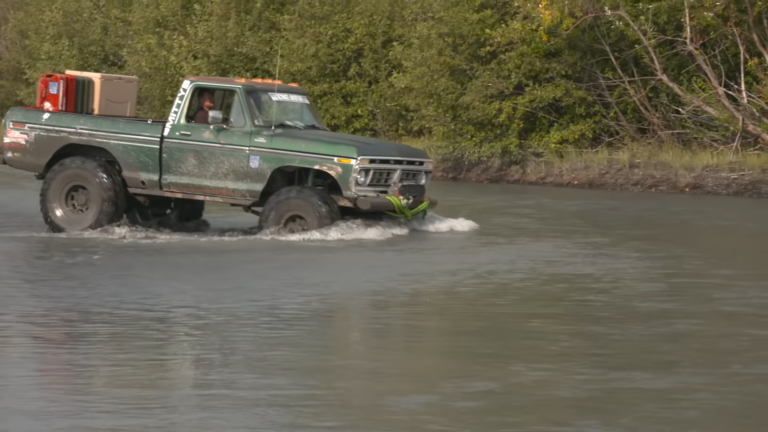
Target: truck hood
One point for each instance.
(339, 144)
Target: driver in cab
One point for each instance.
(206, 104)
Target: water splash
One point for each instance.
(348, 230)
(437, 224)
(344, 230)
(379, 230)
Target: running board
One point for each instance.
(199, 197)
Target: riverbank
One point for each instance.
(640, 168)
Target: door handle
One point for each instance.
(185, 133)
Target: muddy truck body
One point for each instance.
(260, 145)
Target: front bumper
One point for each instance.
(382, 204)
(417, 194)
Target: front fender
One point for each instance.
(340, 169)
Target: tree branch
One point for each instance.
(753, 31)
(727, 102)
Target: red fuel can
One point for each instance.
(51, 92)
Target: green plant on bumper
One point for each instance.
(402, 210)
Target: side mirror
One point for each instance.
(215, 117)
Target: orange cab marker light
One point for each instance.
(343, 160)
(266, 80)
(240, 80)
(293, 84)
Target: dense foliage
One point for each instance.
(489, 78)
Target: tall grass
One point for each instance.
(634, 156)
(667, 156)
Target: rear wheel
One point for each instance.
(81, 194)
(299, 208)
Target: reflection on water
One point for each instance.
(513, 309)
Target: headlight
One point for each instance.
(361, 176)
(423, 178)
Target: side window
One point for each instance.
(225, 100)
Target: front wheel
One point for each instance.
(299, 208)
(81, 194)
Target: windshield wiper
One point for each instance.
(316, 126)
(289, 123)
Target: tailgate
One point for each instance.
(13, 140)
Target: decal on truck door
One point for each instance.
(176, 107)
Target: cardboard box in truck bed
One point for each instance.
(113, 95)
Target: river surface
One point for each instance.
(510, 309)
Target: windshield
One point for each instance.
(283, 109)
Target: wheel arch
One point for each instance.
(83, 150)
(297, 175)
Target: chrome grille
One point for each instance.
(381, 173)
(410, 176)
(381, 177)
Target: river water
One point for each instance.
(510, 309)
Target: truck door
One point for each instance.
(209, 159)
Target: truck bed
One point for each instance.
(32, 138)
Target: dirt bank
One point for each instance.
(637, 176)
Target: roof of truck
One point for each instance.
(261, 83)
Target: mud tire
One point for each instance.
(299, 208)
(80, 194)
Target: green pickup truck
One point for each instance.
(255, 144)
